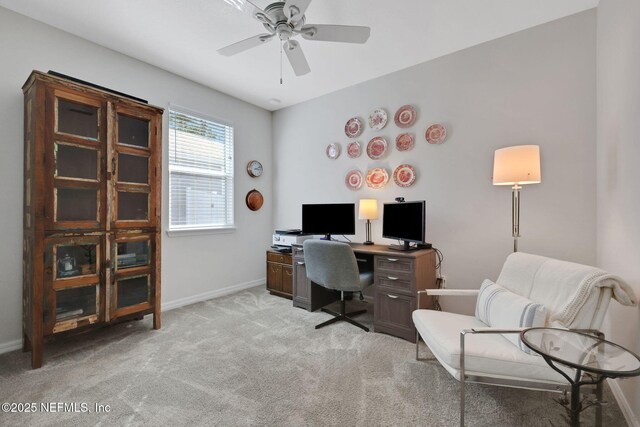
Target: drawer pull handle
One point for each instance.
(300, 262)
(392, 278)
(392, 296)
(392, 259)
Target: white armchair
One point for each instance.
(574, 296)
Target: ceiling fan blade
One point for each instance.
(336, 33)
(246, 44)
(295, 9)
(296, 58)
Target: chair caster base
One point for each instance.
(344, 317)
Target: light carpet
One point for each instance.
(251, 359)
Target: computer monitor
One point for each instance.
(404, 221)
(328, 219)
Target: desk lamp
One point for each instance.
(368, 210)
(516, 166)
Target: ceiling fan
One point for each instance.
(286, 20)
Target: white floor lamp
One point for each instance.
(516, 166)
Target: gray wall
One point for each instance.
(533, 87)
(618, 143)
(193, 267)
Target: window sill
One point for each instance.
(199, 231)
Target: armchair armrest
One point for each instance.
(447, 292)
(451, 292)
(489, 330)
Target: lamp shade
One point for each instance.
(517, 165)
(368, 209)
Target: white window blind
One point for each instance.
(200, 172)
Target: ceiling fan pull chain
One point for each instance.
(281, 43)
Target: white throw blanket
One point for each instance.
(565, 288)
(622, 293)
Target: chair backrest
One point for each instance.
(561, 286)
(331, 264)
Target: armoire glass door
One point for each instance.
(133, 169)
(76, 158)
(74, 297)
(132, 266)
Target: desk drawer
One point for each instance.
(394, 263)
(297, 251)
(278, 257)
(393, 314)
(397, 282)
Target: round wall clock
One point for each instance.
(254, 168)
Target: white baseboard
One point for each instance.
(8, 346)
(627, 411)
(170, 305)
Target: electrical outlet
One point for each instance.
(440, 282)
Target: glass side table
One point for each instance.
(592, 357)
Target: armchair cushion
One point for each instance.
(485, 354)
(501, 308)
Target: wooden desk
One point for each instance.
(398, 275)
(279, 273)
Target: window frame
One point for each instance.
(172, 230)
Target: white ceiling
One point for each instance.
(182, 36)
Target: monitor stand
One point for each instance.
(403, 247)
(326, 237)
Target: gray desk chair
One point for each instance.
(333, 265)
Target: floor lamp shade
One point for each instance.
(368, 209)
(516, 166)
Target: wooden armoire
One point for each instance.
(92, 186)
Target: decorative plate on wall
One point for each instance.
(404, 175)
(405, 116)
(377, 147)
(377, 178)
(353, 128)
(378, 119)
(333, 151)
(254, 200)
(435, 134)
(404, 141)
(353, 180)
(354, 149)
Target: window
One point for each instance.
(200, 172)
